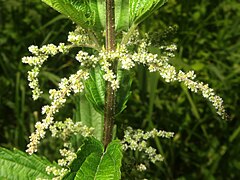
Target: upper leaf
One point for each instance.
(20, 166)
(92, 13)
(141, 9)
(133, 12)
(86, 13)
(122, 15)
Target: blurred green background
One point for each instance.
(207, 34)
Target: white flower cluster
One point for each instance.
(187, 79)
(68, 128)
(106, 59)
(167, 71)
(68, 157)
(137, 140)
(40, 56)
(78, 37)
(133, 39)
(86, 60)
(64, 130)
(141, 167)
(57, 172)
(58, 97)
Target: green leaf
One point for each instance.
(92, 163)
(141, 9)
(86, 13)
(20, 166)
(110, 163)
(132, 12)
(95, 89)
(122, 15)
(135, 13)
(123, 93)
(91, 147)
(89, 116)
(92, 13)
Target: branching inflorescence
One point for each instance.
(137, 140)
(74, 84)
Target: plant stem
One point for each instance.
(109, 108)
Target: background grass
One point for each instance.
(207, 35)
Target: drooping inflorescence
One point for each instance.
(137, 140)
(58, 97)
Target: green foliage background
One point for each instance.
(207, 34)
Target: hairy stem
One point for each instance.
(109, 109)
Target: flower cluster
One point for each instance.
(187, 79)
(78, 37)
(141, 167)
(64, 130)
(58, 97)
(168, 72)
(86, 60)
(68, 156)
(133, 39)
(106, 61)
(137, 140)
(40, 56)
(68, 128)
(57, 172)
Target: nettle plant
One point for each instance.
(109, 47)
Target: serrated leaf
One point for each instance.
(20, 166)
(141, 9)
(91, 147)
(132, 12)
(92, 13)
(95, 89)
(86, 13)
(110, 164)
(92, 163)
